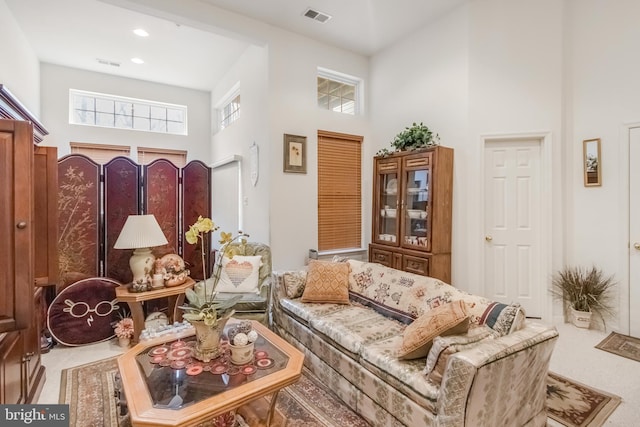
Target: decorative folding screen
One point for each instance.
(95, 201)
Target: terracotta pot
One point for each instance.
(208, 339)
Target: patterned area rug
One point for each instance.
(576, 405)
(622, 345)
(89, 390)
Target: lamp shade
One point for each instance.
(140, 231)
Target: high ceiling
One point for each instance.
(94, 35)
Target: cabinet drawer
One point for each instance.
(388, 165)
(415, 265)
(418, 161)
(381, 257)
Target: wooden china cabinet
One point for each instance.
(412, 204)
(28, 254)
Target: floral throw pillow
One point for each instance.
(393, 293)
(240, 274)
(294, 283)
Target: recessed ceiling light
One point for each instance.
(137, 61)
(140, 32)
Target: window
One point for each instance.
(148, 155)
(338, 92)
(230, 112)
(102, 154)
(339, 191)
(97, 109)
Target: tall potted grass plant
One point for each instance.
(586, 292)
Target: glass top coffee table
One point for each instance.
(164, 386)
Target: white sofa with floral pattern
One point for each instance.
(498, 381)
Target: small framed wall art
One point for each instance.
(592, 162)
(295, 154)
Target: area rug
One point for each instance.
(622, 345)
(576, 405)
(89, 391)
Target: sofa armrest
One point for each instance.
(500, 381)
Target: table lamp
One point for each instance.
(141, 233)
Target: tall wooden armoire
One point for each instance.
(28, 258)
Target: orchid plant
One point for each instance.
(202, 299)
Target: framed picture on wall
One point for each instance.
(295, 154)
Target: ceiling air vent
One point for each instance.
(107, 62)
(317, 15)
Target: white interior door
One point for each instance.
(512, 245)
(634, 232)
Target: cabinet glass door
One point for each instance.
(388, 195)
(416, 227)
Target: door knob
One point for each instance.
(636, 245)
(21, 225)
(488, 238)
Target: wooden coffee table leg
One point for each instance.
(138, 319)
(272, 407)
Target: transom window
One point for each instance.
(98, 109)
(230, 112)
(338, 92)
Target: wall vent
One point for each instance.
(316, 15)
(107, 62)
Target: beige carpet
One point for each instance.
(622, 345)
(577, 405)
(89, 390)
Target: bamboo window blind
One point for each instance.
(339, 191)
(100, 153)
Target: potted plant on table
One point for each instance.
(207, 315)
(585, 292)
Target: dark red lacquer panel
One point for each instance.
(161, 200)
(79, 218)
(121, 199)
(196, 201)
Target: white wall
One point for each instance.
(293, 63)
(252, 127)
(486, 68)
(19, 68)
(424, 78)
(604, 92)
(57, 80)
(565, 68)
(291, 108)
(516, 87)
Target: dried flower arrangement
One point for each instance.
(124, 328)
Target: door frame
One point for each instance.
(625, 287)
(546, 199)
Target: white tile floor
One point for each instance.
(575, 356)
